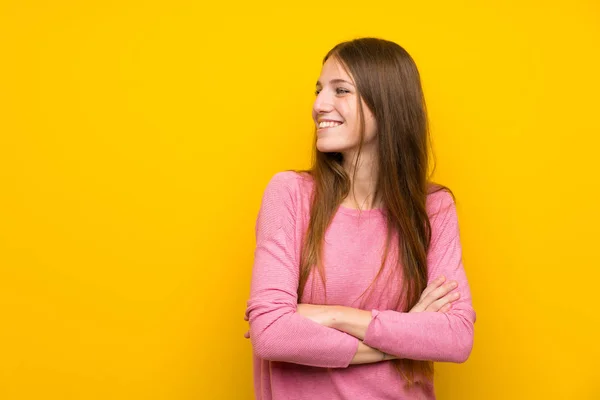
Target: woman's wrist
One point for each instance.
(353, 321)
(336, 317)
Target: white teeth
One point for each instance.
(328, 124)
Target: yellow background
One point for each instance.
(136, 139)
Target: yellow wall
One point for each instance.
(136, 139)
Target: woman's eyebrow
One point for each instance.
(336, 81)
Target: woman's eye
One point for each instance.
(338, 91)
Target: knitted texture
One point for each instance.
(296, 358)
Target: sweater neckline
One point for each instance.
(356, 212)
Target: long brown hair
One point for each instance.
(387, 79)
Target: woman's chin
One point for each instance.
(329, 148)
(333, 144)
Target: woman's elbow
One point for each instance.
(265, 348)
(462, 349)
(267, 333)
(270, 343)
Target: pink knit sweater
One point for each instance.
(297, 358)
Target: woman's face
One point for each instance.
(335, 111)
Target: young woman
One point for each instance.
(349, 302)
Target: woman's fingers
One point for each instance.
(247, 334)
(447, 300)
(436, 295)
(433, 285)
(424, 302)
(445, 308)
(439, 293)
(417, 307)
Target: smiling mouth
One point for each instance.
(329, 127)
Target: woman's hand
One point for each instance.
(247, 334)
(437, 296)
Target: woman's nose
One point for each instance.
(322, 105)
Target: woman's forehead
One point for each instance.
(332, 72)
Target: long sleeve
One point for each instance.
(277, 331)
(432, 336)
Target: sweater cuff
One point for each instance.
(352, 349)
(372, 331)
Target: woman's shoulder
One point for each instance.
(292, 180)
(290, 186)
(439, 197)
